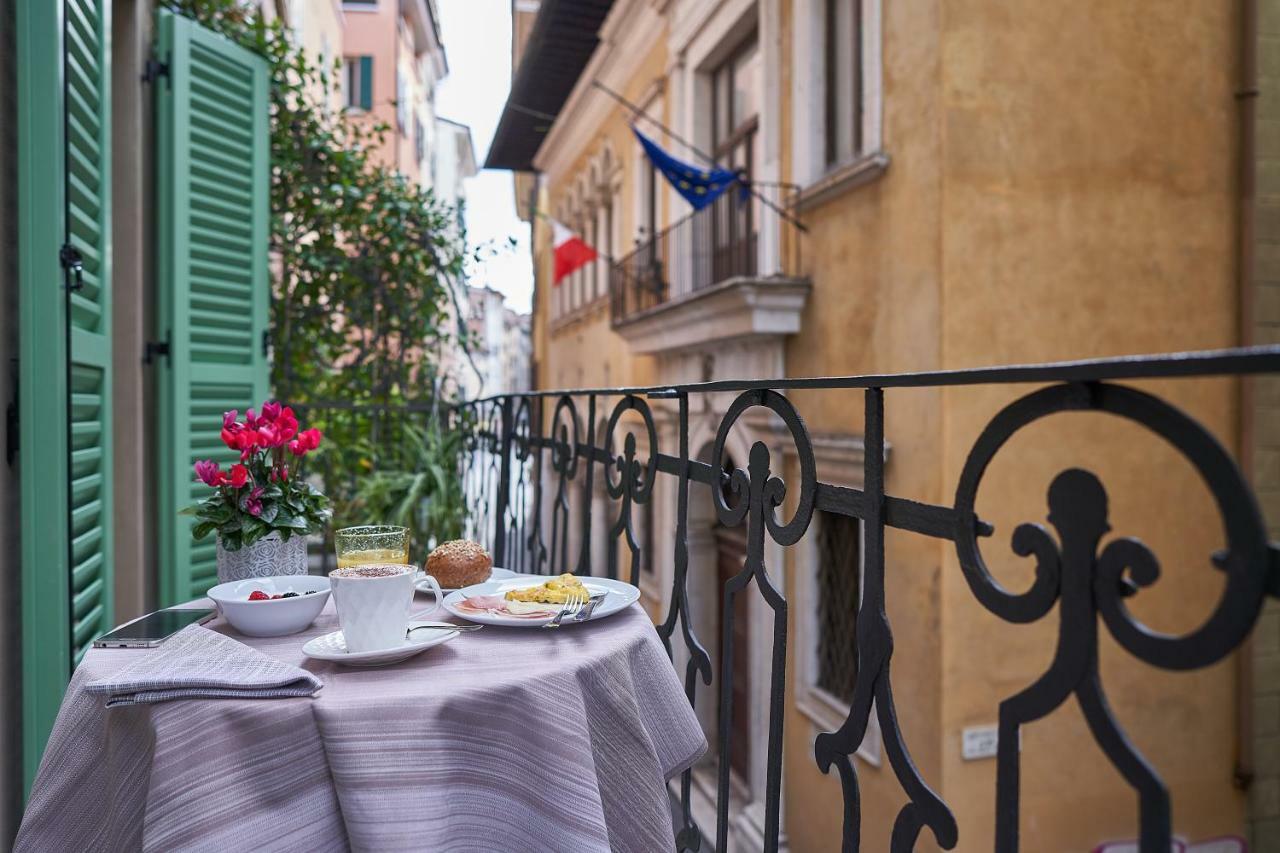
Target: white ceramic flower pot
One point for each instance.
(267, 557)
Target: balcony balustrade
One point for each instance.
(739, 236)
(528, 453)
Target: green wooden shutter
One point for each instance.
(212, 215)
(64, 203)
(366, 82)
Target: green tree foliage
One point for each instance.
(363, 258)
(362, 266)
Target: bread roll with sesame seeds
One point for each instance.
(459, 563)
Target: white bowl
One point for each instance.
(274, 617)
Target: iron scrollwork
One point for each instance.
(872, 683)
(759, 494)
(1089, 577)
(635, 480)
(1088, 584)
(688, 836)
(564, 461)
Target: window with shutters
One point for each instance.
(357, 82)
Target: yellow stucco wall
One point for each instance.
(1088, 210)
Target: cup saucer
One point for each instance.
(333, 647)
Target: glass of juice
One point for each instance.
(372, 544)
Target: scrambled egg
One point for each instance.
(555, 591)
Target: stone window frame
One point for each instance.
(819, 180)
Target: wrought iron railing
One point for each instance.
(740, 235)
(526, 450)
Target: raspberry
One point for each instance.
(277, 595)
(258, 595)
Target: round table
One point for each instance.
(502, 739)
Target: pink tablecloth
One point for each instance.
(505, 739)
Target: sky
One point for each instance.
(477, 42)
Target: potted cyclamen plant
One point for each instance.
(261, 508)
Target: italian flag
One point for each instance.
(571, 251)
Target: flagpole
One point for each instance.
(639, 113)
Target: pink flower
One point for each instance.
(306, 441)
(270, 411)
(286, 425)
(250, 419)
(210, 473)
(267, 435)
(239, 476)
(229, 419)
(253, 503)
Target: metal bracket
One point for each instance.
(73, 262)
(154, 69)
(155, 349)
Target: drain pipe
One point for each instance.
(1247, 106)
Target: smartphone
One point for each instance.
(147, 632)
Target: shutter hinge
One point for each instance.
(154, 69)
(266, 343)
(156, 349)
(72, 264)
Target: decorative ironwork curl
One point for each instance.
(633, 478)
(522, 429)
(1090, 584)
(635, 481)
(565, 441)
(564, 452)
(771, 489)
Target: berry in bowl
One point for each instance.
(271, 606)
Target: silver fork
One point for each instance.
(590, 607)
(571, 607)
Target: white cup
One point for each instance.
(373, 604)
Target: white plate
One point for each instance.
(618, 596)
(333, 647)
(494, 575)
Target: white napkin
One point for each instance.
(199, 663)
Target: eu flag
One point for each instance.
(699, 186)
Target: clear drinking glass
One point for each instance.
(371, 544)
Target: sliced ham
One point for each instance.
(497, 606)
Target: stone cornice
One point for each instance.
(738, 308)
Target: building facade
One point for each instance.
(937, 184)
(392, 61)
(497, 356)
